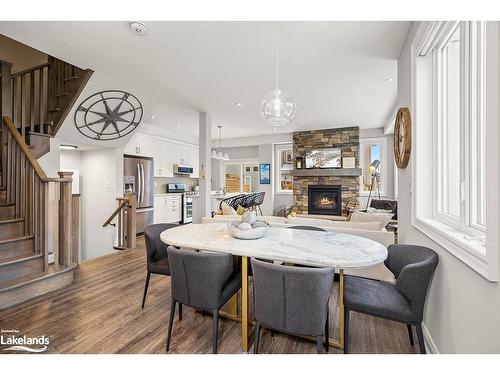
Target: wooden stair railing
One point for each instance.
(40, 98)
(27, 186)
(125, 214)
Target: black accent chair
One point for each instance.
(413, 267)
(254, 201)
(233, 201)
(156, 254)
(293, 300)
(386, 204)
(205, 281)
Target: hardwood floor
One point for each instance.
(101, 313)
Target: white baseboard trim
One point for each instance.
(430, 345)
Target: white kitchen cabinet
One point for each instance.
(165, 153)
(173, 154)
(147, 144)
(161, 169)
(132, 147)
(190, 156)
(168, 208)
(160, 210)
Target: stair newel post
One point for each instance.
(131, 220)
(5, 110)
(44, 220)
(65, 217)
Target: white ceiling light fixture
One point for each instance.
(278, 107)
(138, 28)
(219, 155)
(68, 147)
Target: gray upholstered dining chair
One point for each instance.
(156, 255)
(205, 281)
(292, 300)
(413, 267)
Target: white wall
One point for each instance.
(463, 308)
(100, 176)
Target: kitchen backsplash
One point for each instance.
(161, 183)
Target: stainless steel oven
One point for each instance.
(187, 206)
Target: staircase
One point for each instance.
(40, 99)
(38, 215)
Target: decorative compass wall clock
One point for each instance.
(108, 115)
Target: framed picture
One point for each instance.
(247, 169)
(255, 168)
(286, 157)
(324, 158)
(348, 162)
(265, 174)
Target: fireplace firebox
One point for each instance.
(325, 200)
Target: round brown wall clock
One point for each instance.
(402, 137)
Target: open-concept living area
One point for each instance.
(249, 187)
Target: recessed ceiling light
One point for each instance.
(389, 79)
(274, 128)
(152, 117)
(238, 104)
(178, 125)
(68, 147)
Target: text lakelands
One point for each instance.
(24, 340)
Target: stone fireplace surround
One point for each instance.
(304, 141)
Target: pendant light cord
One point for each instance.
(277, 54)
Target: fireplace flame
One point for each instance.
(325, 201)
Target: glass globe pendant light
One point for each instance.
(278, 107)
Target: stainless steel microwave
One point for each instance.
(182, 169)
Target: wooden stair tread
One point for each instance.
(6, 204)
(54, 110)
(33, 277)
(19, 258)
(9, 221)
(40, 134)
(62, 94)
(16, 239)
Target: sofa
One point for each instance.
(372, 231)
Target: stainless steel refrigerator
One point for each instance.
(138, 177)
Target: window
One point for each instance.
(449, 204)
(284, 167)
(372, 149)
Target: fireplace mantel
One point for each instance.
(342, 172)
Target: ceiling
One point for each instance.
(338, 72)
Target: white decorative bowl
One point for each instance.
(251, 234)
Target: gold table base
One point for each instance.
(247, 334)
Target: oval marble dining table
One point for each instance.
(305, 247)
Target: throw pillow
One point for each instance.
(383, 219)
(241, 210)
(372, 210)
(365, 225)
(227, 209)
